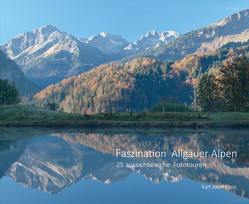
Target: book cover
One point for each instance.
(124, 102)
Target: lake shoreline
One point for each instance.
(128, 124)
(27, 116)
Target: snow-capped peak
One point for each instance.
(107, 43)
(39, 43)
(170, 33)
(168, 36)
(49, 27)
(46, 31)
(152, 39)
(151, 32)
(103, 34)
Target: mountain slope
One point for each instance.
(196, 64)
(133, 86)
(232, 29)
(47, 53)
(9, 70)
(138, 84)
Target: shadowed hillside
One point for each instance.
(9, 70)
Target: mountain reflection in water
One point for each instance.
(51, 161)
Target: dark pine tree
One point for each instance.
(235, 84)
(8, 93)
(208, 95)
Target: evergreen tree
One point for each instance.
(8, 93)
(235, 84)
(208, 95)
(52, 106)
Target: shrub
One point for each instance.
(170, 106)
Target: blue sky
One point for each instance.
(130, 18)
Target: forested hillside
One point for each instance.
(133, 86)
(137, 85)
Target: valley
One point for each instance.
(106, 73)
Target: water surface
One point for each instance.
(79, 166)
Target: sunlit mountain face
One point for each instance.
(47, 55)
(58, 160)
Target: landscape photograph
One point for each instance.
(124, 102)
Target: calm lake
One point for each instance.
(59, 166)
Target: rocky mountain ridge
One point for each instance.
(152, 39)
(47, 55)
(231, 29)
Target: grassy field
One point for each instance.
(28, 116)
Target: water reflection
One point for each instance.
(54, 160)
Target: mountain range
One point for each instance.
(136, 85)
(107, 73)
(48, 55)
(231, 29)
